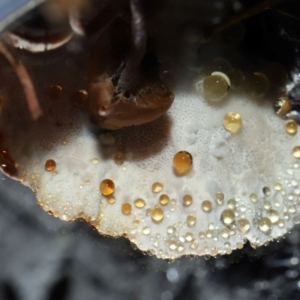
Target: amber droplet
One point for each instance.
(126, 208)
(157, 214)
(157, 187)
(107, 187)
(257, 84)
(139, 203)
(55, 91)
(187, 200)
(291, 127)
(206, 206)
(296, 151)
(119, 158)
(182, 162)
(232, 122)
(79, 98)
(164, 199)
(50, 165)
(282, 106)
(191, 220)
(7, 163)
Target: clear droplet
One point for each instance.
(257, 84)
(227, 217)
(216, 86)
(146, 230)
(265, 225)
(243, 225)
(273, 215)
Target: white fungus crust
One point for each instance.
(254, 169)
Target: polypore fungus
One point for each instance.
(201, 179)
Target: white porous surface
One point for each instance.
(256, 160)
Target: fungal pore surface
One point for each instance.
(220, 167)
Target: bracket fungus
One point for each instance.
(201, 178)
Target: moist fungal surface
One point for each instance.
(239, 180)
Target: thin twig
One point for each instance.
(25, 80)
(240, 16)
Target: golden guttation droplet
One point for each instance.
(273, 215)
(243, 225)
(107, 139)
(139, 203)
(119, 158)
(157, 214)
(232, 203)
(216, 86)
(126, 208)
(265, 225)
(291, 127)
(182, 162)
(164, 199)
(50, 165)
(206, 206)
(227, 217)
(254, 198)
(236, 77)
(173, 245)
(191, 220)
(257, 84)
(232, 122)
(188, 237)
(296, 151)
(277, 186)
(187, 200)
(281, 223)
(146, 230)
(107, 187)
(282, 106)
(267, 191)
(219, 197)
(111, 199)
(55, 91)
(95, 161)
(79, 98)
(157, 187)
